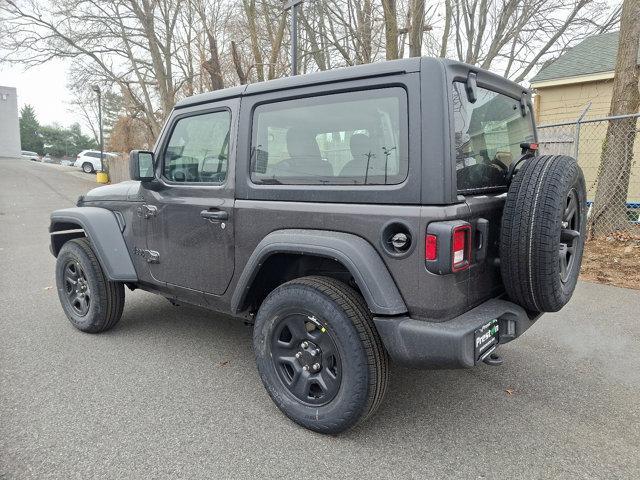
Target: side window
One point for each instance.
(355, 138)
(198, 149)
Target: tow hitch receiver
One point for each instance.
(486, 341)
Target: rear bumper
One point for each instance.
(450, 344)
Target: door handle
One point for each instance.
(214, 215)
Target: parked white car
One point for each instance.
(89, 160)
(30, 155)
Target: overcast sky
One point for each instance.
(43, 87)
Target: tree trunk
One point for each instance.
(237, 63)
(364, 15)
(316, 51)
(252, 17)
(609, 209)
(417, 25)
(212, 64)
(447, 28)
(390, 10)
(276, 46)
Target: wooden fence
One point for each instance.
(118, 168)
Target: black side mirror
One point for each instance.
(472, 88)
(141, 165)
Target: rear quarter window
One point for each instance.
(354, 138)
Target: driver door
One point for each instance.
(189, 208)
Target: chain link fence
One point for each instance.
(613, 187)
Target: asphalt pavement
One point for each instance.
(172, 392)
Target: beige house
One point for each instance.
(576, 83)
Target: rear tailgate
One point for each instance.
(486, 215)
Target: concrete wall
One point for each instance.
(9, 125)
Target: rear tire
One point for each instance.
(87, 167)
(325, 316)
(91, 302)
(542, 234)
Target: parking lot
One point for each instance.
(172, 392)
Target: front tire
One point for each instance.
(91, 302)
(319, 355)
(87, 167)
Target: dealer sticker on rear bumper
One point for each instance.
(486, 340)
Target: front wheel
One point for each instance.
(319, 355)
(87, 167)
(91, 302)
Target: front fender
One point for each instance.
(356, 254)
(104, 231)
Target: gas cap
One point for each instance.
(400, 241)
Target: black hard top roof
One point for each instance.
(348, 73)
(457, 71)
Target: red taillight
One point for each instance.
(460, 248)
(533, 146)
(431, 247)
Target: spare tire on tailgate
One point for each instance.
(543, 231)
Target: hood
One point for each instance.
(123, 191)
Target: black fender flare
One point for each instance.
(104, 231)
(356, 254)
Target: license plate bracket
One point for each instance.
(485, 340)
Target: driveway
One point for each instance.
(172, 392)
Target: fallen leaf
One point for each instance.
(222, 364)
(510, 391)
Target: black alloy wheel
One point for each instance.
(91, 301)
(77, 287)
(569, 235)
(306, 358)
(319, 354)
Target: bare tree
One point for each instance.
(609, 208)
(516, 36)
(135, 45)
(153, 52)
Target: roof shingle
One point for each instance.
(593, 55)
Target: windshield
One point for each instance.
(488, 134)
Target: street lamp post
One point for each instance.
(96, 88)
(292, 4)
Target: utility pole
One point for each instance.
(96, 88)
(292, 4)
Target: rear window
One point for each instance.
(488, 134)
(355, 138)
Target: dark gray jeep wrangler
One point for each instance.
(396, 210)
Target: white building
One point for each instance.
(9, 125)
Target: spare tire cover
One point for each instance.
(543, 232)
